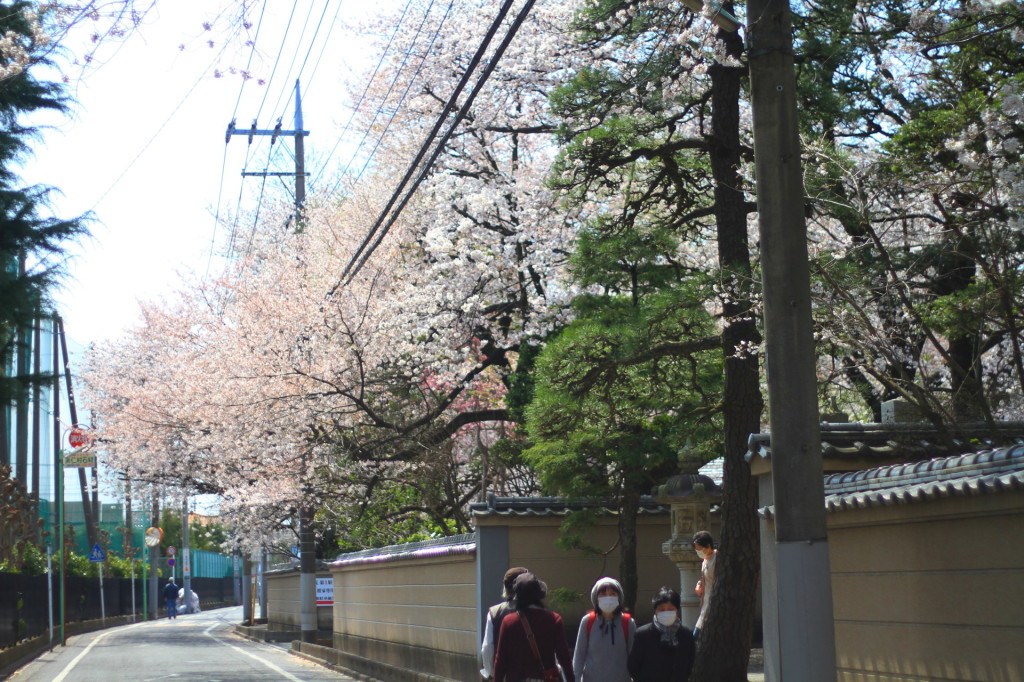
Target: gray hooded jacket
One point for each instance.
(601, 652)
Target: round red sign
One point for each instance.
(78, 437)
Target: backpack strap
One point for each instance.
(592, 616)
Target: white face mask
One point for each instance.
(700, 553)
(608, 604)
(666, 618)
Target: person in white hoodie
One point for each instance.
(605, 636)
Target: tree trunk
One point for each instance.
(724, 648)
(627, 545)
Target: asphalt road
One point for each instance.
(200, 646)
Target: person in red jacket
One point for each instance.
(516, 660)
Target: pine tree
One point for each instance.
(31, 239)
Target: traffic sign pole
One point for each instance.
(60, 535)
(103, 602)
(98, 556)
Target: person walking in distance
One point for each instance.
(171, 597)
(495, 615)
(704, 545)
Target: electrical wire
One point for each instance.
(278, 106)
(384, 99)
(319, 25)
(323, 47)
(401, 100)
(277, 61)
(464, 110)
(362, 97)
(224, 160)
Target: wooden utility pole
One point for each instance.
(800, 639)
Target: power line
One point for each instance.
(369, 82)
(398, 105)
(277, 61)
(224, 160)
(445, 111)
(323, 48)
(509, 35)
(312, 42)
(291, 66)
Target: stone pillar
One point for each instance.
(689, 497)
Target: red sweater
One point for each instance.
(515, 660)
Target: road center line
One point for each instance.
(275, 668)
(70, 666)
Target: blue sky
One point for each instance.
(145, 150)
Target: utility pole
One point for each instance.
(58, 469)
(154, 554)
(800, 638)
(300, 152)
(186, 559)
(307, 543)
(87, 503)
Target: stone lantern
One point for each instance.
(689, 495)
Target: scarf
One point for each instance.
(669, 634)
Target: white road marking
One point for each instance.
(70, 666)
(275, 668)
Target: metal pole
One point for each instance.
(307, 575)
(263, 586)
(246, 587)
(87, 508)
(803, 631)
(132, 562)
(154, 589)
(145, 592)
(49, 589)
(300, 163)
(186, 565)
(58, 470)
(103, 601)
(37, 400)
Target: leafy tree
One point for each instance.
(19, 532)
(31, 241)
(919, 253)
(619, 394)
(654, 149)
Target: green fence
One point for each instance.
(210, 564)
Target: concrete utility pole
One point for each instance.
(186, 559)
(800, 644)
(154, 554)
(300, 153)
(307, 541)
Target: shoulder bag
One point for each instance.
(550, 674)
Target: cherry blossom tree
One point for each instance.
(916, 223)
(288, 387)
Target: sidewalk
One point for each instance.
(320, 654)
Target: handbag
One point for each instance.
(553, 674)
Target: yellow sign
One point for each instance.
(80, 459)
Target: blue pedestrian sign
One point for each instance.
(97, 555)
